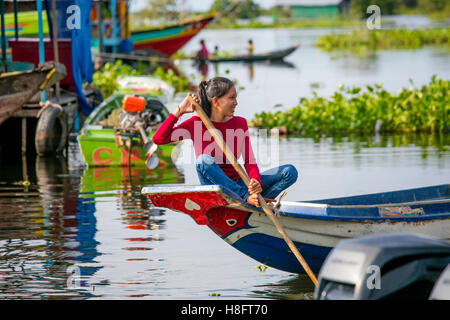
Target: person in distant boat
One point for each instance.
(217, 97)
(250, 47)
(203, 68)
(203, 53)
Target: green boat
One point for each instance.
(108, 138)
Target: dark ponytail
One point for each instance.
(215, 87)
(206, 101)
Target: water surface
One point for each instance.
(79, 233)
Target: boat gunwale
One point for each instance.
(182, 23)
(236, 203)
(216, 188)
(368, 206)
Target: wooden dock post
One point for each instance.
(24, 135)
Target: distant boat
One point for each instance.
(169, 39)
(268, 56)
(166, 39)
(315, 227)
(27, 24)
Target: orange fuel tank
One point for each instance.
(133, 104)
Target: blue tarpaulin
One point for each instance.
(81, 54)
(73, 22)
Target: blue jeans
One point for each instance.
(274, 180)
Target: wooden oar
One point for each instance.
(230, 156)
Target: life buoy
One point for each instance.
(51, 131)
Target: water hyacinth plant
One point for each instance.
(364, 111)
(106, 78)
(178, 81)
(384, 39)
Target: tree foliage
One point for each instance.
(242, 9)
(394, 6)
(162, 9)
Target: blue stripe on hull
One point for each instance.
(417, 194)
(274, 252)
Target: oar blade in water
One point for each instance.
(152, 159)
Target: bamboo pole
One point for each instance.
(41, 40)
(3, 36)
(99, 30)
(55, 47)
(16, 23)
(230, 156)
(113, 25)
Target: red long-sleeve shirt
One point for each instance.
(234, 132)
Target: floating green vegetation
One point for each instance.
(385, 39)
(354, 110)
(179, 82)
(106, 78)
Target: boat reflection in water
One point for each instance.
(46, 229)
(69, 221)
(53, 217)
(125, 184)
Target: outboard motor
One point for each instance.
(152, 113)
(137, 109)
(137, 117)
(441, 290)
(132, 107)
(383, 266)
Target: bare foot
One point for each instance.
(253, 200)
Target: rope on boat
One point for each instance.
(46, 105)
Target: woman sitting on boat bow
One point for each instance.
(218, 99)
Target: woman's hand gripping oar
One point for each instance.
(230, 156)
